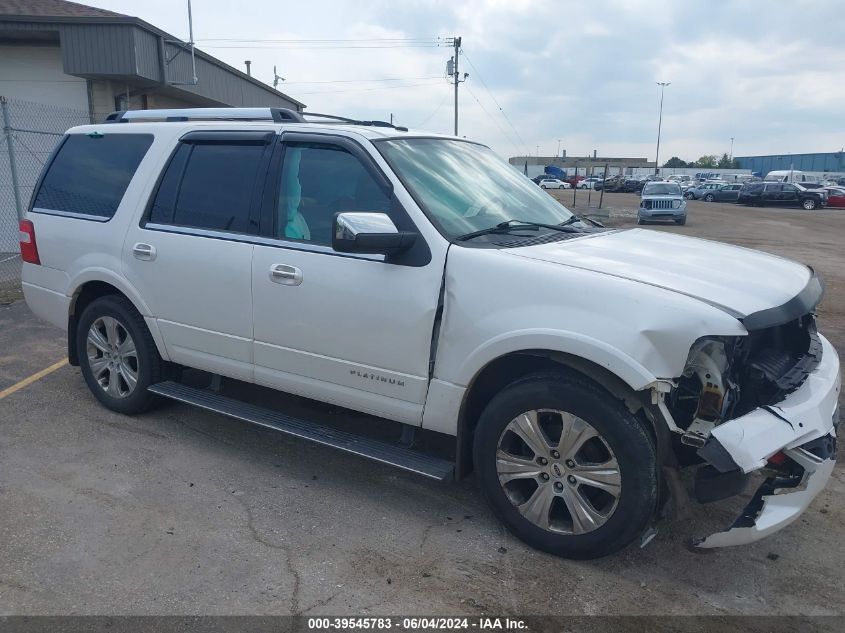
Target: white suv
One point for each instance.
(421, 279)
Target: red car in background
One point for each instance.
(574, 180)
(836, 197)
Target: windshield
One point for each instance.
(465, 187)
(662, 189)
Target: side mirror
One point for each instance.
(370, 233)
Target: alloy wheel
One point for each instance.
(112, 357)
(558, 471)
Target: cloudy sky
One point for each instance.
(769, 74)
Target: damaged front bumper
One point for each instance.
(802, 427)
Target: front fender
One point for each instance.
(588, 348)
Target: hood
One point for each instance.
(739, 280)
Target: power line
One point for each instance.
(349, 81)
(492, 118)
(328, 46)
(431, 116)
(327, 41)
(327, 92)
(498, 105)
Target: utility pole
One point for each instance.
(558, 149)
(662, 85)
(452, 70)
(732, 149)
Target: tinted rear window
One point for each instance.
(90, 174)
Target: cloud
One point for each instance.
(769, 75)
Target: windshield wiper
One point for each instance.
(510, 225)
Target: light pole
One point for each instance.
(538, 151)
(732, 149)
(662, 85)
(558, 147)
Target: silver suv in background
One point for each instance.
(662, 201)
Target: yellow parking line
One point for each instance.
(36, 376)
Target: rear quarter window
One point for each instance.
(90, 173)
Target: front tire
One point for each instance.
(709, 197)
(117, 355)
(809, 204)
(565, 466)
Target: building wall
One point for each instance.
(35, 73)
(822, 162)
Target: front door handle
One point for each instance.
(144, 252)
(284, 274)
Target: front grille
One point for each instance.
(658, 204)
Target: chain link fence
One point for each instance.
(30, 132)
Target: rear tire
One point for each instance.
(117, 355)
(566, 466)
(809, 204)
(709, 197)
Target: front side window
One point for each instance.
(465, 187)
(318, 180)
(210, 186)
(90, 173)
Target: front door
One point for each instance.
(353, 330)
(190, 257)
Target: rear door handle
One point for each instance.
(284, 274)
(144, 252)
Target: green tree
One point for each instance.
(735, 164)
(706, 161)
(675, 162)
(724, 162)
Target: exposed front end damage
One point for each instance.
(783, 496)
(766, 404)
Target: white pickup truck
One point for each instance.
(421, 279)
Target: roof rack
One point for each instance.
(277, 115)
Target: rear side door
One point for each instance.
(789, 194)
(350, 329)
(731, 193)
(190, 256)
(771, 193)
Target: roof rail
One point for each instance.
(343, 119)
(277, 115)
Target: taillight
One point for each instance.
(29, 249)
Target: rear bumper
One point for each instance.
(803, 426)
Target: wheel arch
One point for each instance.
(505, 369)
(90, 287)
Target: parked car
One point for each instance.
(574, 180)
(662, 201)
(782, 194)
(632, 185)
(611, 183)
(554, 183)
(836, 197)
(699, 191)
(570, 366)
(725, 193)
(589, 183)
